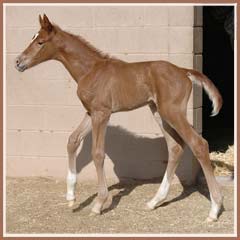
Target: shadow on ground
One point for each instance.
(38, 205)
(149, 160)
(125, 188)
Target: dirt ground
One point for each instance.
(37, 205)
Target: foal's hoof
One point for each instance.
(71, 203)
(210, 220)
(94, 213)
(149, 206)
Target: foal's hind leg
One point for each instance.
(175, 149)
(73, 143)
(199, 147)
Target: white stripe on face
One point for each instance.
(35, 36)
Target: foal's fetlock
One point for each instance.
(71, 186)
(108, 201)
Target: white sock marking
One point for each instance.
(161, 193)
(71, 184)
(215, 208)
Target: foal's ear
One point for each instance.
(40, 20)
(45, 23)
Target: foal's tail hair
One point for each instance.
(209, 88)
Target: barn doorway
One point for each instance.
(218, 65)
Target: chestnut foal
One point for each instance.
(107, 85)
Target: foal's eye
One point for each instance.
(40, 43)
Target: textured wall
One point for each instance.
(42, 106)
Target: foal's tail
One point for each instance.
(209, 87)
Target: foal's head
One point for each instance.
(41, 48)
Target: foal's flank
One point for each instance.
(107, 85)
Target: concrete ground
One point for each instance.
(37, 205)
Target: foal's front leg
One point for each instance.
(73, 143)
(99, 125)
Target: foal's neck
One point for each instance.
(77, 55)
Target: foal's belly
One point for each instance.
(118, 106)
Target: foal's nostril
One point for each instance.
(17, 61)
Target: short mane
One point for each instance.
(86, 43)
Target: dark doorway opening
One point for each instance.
(218, 65)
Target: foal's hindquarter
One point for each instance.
(118, 86)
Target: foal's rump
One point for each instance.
(173, 85)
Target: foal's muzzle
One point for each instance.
(20, 65)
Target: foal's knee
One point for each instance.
(201, 150)
(73, 143)
(174, 152)
(177, 150)
(98, 157)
